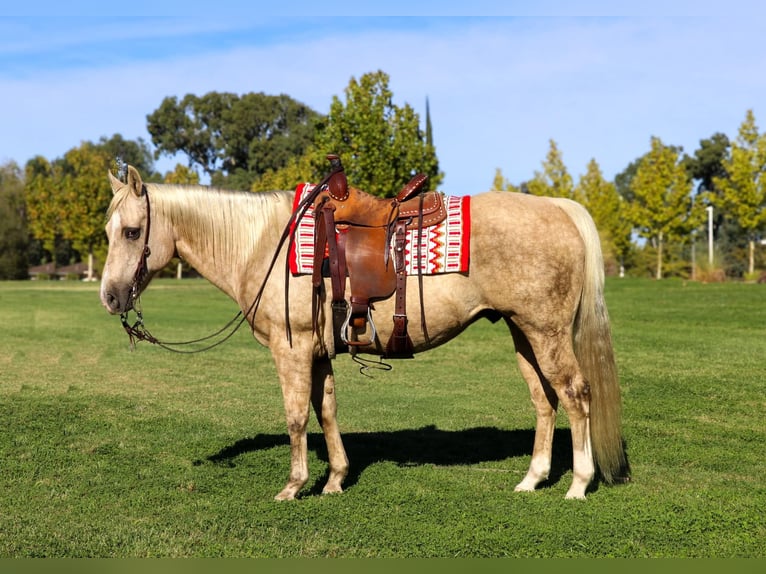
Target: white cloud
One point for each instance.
(499, 89)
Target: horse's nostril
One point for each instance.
(111, 301)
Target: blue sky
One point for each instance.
(501, 80)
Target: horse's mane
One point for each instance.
(227, 224)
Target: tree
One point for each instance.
(87, 194)
(182, 175)
(429, 128)
(704, 167)
(662, 208)
(234, 139)
(624, 179)
(380, 144)
(14, 236)
(554, 180)
(67, 199)
(707, 164)
(306, 168)
(605, 205)
(136, 153)
(44, 202)
(499, 183)
(743, 192)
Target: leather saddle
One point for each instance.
(355, 235)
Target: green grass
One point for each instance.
(111, 453)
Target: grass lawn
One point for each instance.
(112, 453)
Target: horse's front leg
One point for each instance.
(294, 369)
(324, 402)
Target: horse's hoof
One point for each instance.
(575, 496)
(332, 490)
(522, 488)
(286, 494)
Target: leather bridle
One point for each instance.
(138, 331)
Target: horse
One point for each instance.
(535, 263)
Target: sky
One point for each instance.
(501, 79)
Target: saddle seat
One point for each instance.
(357, 231)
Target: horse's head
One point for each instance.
(139, 244)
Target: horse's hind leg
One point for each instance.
(325, 407)
(558, 366)
(545, 402)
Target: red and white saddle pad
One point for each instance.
(443, 248)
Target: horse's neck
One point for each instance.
(226, 237)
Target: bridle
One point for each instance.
(138, 331)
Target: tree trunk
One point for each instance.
(658, 275)
(90, 266)
(751, 261)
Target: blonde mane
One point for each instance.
(228, 225)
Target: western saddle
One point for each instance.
(354, 235)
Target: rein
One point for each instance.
(138, 331)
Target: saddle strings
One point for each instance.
(366, 364)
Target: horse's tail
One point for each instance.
(594, 352)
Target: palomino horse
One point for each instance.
(534, 262)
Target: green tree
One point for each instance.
(44, 202)
(605, 205)
(662, 208)
(14, 236)
(309, 167)
(742, 194)
(429, 128)
(67, 199)
(234, 139)
(499, 183)
(707, 163)
(131, 152)
(381, 144)
(182, 175)
(554, 180)
(704, 167)
(87, 194)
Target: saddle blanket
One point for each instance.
(443, 248)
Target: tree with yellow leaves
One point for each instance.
(662, 209)
(554, 180)
(742, 194)
(605, 205)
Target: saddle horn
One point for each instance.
(337, 185)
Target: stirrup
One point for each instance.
(344, 330)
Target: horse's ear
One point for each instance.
(116, 183)
(135, 183)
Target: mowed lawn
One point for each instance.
(106, 452)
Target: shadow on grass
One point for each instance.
(413, 447)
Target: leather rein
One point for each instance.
(138, 331)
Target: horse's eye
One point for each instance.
(132, 233)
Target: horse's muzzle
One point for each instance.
(114, 304)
